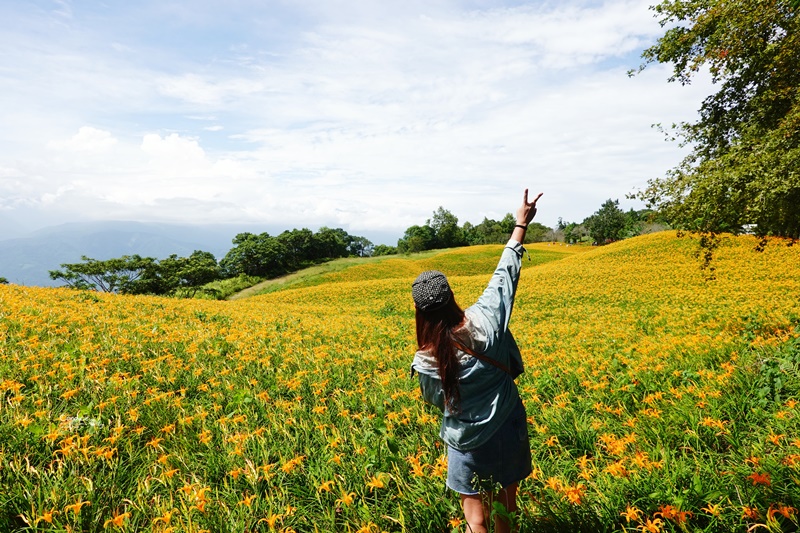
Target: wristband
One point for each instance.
(521, 226)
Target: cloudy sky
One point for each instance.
(365, 115)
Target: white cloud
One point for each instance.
(363, 116)
(87, 139)
(196, 89)
(173, 149)
(572, 35)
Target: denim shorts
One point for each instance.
(504, 459)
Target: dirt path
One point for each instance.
(255, 289)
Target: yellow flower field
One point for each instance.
(657, 400)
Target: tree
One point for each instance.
(554, 235)
(111, 275)
(265, 256)
(383, 249)
(442, 231)
(3, 281)
(744, 164)
(255, 255)
(446, 232)
(332, 243)
(361, 246)
(508, 223)
(634, 224)
(487, 232)
(416, 239)
(242, 258)
(573, 232)
(299, 245)
(536, 232)
(197, 270)
(607, 223)
(141, 275)
(174, 275)
(157, 277)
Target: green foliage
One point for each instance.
(221, 289)
(184, 274)
(443, 231)
(298, 246)
(744, 167)
(635, 223)
(488, 231)
(417, 239)
(446, 232)
(383, 249)
(3, 281)
(360, 246)
(536, 232)
(111, 275)
(574, 233)
(141, 275)
(332, 242)
(265, 256)
(608, 223)
(254, 255)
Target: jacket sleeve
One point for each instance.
(431, 389)
(497, 301)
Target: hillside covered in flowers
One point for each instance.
(658, 400)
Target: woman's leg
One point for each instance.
(508, 497)
(475, 512)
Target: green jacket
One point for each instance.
(488, 394)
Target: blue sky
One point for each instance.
(354, 114)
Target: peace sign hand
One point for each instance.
(527, 210)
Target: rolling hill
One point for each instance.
(655, 396)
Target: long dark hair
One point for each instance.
(434, 334)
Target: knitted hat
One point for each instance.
(431, 291)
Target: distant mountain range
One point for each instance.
(27, 258)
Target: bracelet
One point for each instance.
(521, 226)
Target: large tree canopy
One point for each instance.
(266, 256)
(133, 274)
(744, 164)
(447, 234)
(607, 224)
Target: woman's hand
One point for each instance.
(527, 210)
(525, 214)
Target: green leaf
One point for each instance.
(391, 443)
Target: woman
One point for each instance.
(467, 361)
